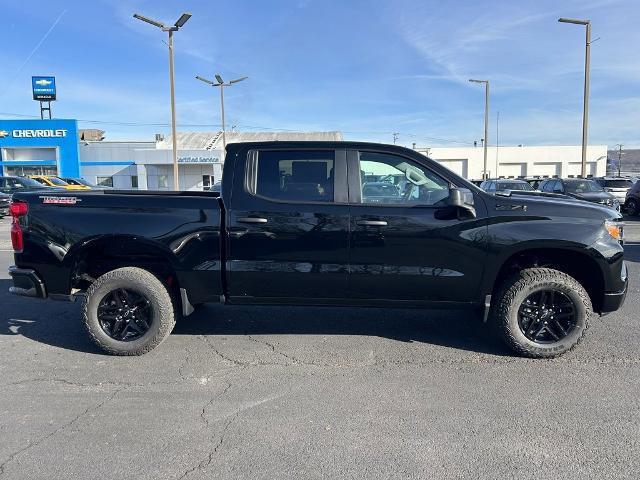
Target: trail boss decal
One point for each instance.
(60, 200)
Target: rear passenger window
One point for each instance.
(292, 175)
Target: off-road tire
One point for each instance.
(515, 290)
(147, 284)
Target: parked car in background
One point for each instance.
(52, 181)
(632, 200)
(617, 186)
(536, 180)
(79, 181)
(216, 187)
(581, 188)
(18, 184)
(5, 200)
(503, 184)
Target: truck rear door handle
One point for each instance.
(372, 223)
(251, 220)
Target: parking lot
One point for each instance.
(315, 393)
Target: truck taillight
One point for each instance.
(18, 209)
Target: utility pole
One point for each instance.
(395, 137)
(585, 103)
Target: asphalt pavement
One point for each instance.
(293, 393)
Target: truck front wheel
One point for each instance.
(128, 311)
(541, 312)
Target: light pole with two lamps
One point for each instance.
(170, 29)
(221, 83)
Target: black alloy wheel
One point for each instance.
(547, 316)
(125, 315)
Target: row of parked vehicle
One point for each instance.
(10, 185)
(614, 192)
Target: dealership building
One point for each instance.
(57, 147)
(521, 161)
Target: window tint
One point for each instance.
(582, 186)
(393, 180)
(616, 183)
(293, 176)
(514, 186)
(105, 181)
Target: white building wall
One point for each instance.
(153, 167)
(520, 161)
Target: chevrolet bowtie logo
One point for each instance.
(43, 82)
(3, 133)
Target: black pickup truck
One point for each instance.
(296, 223)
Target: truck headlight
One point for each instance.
(615, 229)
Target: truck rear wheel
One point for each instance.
(128, 311)
(541, 312)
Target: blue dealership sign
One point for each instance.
(26, 142)
(44, 88)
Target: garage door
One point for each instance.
(456, 166)
(575, 168)
(512, 169)
(546, 169)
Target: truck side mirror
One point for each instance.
(462, 200)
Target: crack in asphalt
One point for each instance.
(61, 428)
(273, 349)
(204, 463)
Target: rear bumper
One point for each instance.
(26, 283)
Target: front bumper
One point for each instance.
(612, 301)
(26, 283)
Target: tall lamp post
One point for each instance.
(585, 108)
(486, 122)
(170, 29)
(220, 83)
(619, 145)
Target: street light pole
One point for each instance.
(224, 125)
(174, 140)
(221, 83)
(170, 29)
(620, 159)
(486, 122)
(585, 103)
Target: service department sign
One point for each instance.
(197, 159)
(44, 88)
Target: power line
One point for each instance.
(425, 138)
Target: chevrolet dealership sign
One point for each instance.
(38, 133)
(44, 88)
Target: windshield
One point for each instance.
(617, 183)
(514, 186)
(57, 181)
(27, 182)
(582, 186)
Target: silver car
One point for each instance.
(616, 186)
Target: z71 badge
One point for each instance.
(59, 200)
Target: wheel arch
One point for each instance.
(578, 264)
(98, 255)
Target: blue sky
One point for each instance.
(367, 68)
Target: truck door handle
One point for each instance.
(372, 223)
(252, 220)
